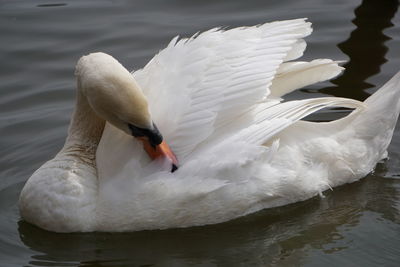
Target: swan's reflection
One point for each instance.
(365, 48)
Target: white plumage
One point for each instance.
(216, 97)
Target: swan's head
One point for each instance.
(114, 95)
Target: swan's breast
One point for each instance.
(61, 196)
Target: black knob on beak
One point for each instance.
(154, 136)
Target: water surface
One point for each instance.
(353, 225)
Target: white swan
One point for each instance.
(216, 99)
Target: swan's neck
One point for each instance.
(85, 130)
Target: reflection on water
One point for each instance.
(365, 48)
(284, 236)
(356, 224)
(52, 5)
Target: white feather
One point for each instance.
(215, 77)
(295, 75)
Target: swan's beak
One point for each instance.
(154, 145)
(161, 150)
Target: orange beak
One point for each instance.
(153, 144)
(161, 150)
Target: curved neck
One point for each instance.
(85, 129)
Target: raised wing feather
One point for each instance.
(196, 85)
(270, 118)
(294, 75)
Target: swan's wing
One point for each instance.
(294, 75)
(270, 120)
(197, 84)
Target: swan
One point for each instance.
(201, 135)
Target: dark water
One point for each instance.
(40, 41)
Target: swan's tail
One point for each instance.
(376, 122)
(387, 99)
(382, 108)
